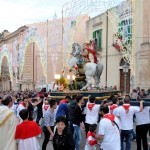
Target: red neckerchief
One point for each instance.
(126, 107)
(90, 106)
(23, 104)
(112, 107)
(46, 107)
(63, 101)
(111, 117)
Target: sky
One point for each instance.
(16, 13)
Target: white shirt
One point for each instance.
(143, 117)
(20, 107)
(88, 146)
(126, 119)
(111, 140)
(114, 111)
(92, 115)
(29, 144)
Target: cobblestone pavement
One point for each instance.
(82, 144)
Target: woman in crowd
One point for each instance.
(63, 138)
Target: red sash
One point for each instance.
(91, 105)
(93, 53)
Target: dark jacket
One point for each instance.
(78, 117)
(64, 141)
(72, 105)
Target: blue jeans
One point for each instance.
(127, 134)
(77, 136)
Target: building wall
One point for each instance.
(114, 56)
(142, 47)
(142, 44)
(50, 32)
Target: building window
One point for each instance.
(73, 24)
(98, 35)
(125, 29)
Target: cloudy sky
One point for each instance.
(16, 13)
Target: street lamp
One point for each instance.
(68, 77)
(57, 77)
(125, 71)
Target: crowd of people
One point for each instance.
(24, 116)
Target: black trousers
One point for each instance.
(87, 128)
(141, 135)
(39, 116)
(47, 136)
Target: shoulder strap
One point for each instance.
(116, 125)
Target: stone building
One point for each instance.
(113, 67)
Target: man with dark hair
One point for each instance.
(109, 130)
(22, 105)
(49, 118)
(92, 113)
(26, 132)
(8, 124)
(78, 120)
(142, 127)
(125, 113)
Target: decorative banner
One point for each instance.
(32, 35)
(5, 52)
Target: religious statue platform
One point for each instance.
(100, 95)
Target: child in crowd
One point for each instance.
(45, 106)
(91, 140)
(26, 133)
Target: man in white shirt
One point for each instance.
(142, 127)
(92, 112)
(109, 130)
(125, 114)
(22, 105)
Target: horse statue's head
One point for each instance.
(76, 49)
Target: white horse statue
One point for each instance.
(92, 70)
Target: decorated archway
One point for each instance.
(6, 53)
(115, 9)
(32, 35)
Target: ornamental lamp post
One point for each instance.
(57, 77)
(68, 77)
(125, 71)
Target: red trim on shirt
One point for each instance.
(91, 142)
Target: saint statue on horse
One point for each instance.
(84, 65)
